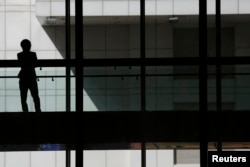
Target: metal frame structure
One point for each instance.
(201, 127)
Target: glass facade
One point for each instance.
(116, 35)
(160, 71)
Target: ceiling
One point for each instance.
(182, 20)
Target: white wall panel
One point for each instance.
(60, 54)
(17, 2)
(118, 158)
(13, 104)
(150, 7)
(2, 2)
(134, 7)
(3, 101)
(2, 55)
(151, 159)
(2, 8)
(12, 83)
(17, 8)
(33, 2)
(211, 6)
(60, 159)
(229, 6)
(111, 7)
(61, 107)
(164, 7)
(95, 158)
(12, 55)
(17, 29)
(60, 82)
(92, 8)
(135, 158)
(20, 159)
(244, 6)
(42, 159)
(72, 158)
(39, 38)
(2, 32)
(43, 8)
(58, 8)
(50, 84)
(186, 7)
(33, 8)
(50, 103)
(2, 154)
(45, 54)
(165, 158)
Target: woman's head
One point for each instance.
(26, 45)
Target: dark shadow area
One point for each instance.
(102, 93)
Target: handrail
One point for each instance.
(129, 75)
(133, 62)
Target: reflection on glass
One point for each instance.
(234, 87)
(51, 85)
(172, 88)
(112, 89)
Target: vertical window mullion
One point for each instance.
(218, 66)
(143, 82)
(79, 82)
(68, 78)
(203, 82)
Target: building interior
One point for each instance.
(125, 83)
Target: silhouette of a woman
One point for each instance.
(27, 76)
